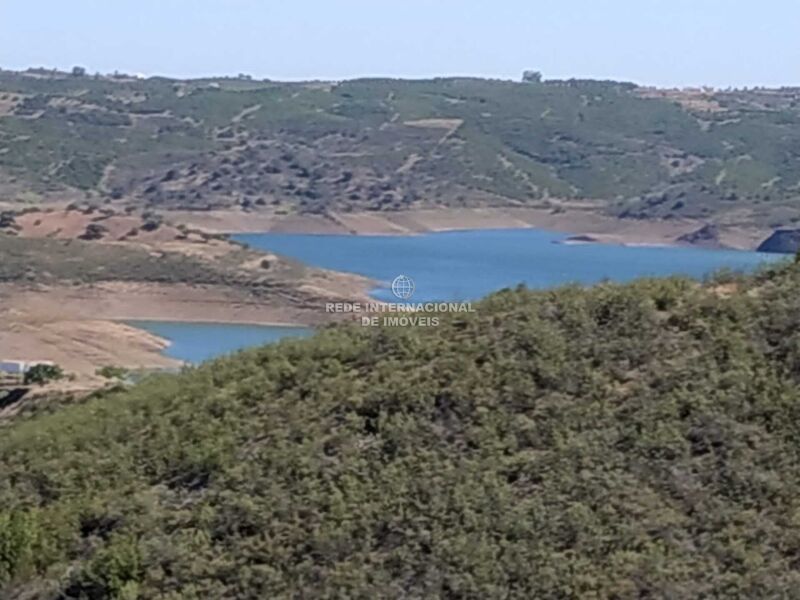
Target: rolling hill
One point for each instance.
(620, 441)
(729, 157)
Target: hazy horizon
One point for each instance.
(517, 79)
(674, 43)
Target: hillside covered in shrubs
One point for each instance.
(619, 441)
(728, 157)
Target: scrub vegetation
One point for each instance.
(387, 145)
(619, 441)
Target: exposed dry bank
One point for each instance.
(571, 217)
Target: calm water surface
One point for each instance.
(196, 342)
(451, 266)
(467, 265)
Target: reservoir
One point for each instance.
(468, 265)
(196, 342)
(450, 266)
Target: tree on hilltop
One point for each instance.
(532, 76)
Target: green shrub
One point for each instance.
(42, 374)
(112, 372)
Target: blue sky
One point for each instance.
(662, 42)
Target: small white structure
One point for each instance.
(20, 367)
(12, 367)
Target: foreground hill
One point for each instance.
(388, 145)
(622, 441)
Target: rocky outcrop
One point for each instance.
(785, 241)
(707, 236)
(579, 239)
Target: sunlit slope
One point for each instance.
(621, 441)
(379, 144)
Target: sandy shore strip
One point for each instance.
(576, 220)
(82, 346)
(85, 327)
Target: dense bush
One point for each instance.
(43, 373)
(622, 441)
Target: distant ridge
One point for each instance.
(723, 157)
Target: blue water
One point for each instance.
(196, 342)
(467, 265)
(452, 266)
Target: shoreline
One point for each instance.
(143, 325)
(133, 323)
(575, 220)
(83, 328)
(89, 326)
